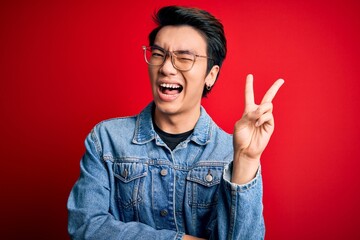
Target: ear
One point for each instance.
(211, 77)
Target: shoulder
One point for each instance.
(116, 122)
(115, 126)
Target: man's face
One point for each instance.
(174, 91)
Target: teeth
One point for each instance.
(168, 85)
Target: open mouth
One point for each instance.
(170, 89)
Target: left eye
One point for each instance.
(184, 57)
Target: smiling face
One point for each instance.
(178, 93)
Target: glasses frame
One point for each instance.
(172, 55)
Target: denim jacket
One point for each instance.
(132, 186)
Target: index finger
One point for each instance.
(270, 94)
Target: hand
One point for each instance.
(252, 132)
(188, 237)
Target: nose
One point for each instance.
(168, 67)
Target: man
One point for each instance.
(171, 172)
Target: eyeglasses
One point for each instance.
(181, 60)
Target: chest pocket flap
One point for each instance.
(206, 175)
(128, 172)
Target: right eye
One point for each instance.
(157, 55)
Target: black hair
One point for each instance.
(210, 27)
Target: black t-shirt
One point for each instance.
(172, 140)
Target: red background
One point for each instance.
(65, 66)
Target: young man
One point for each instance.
(171, 172)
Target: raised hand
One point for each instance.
(252, 132)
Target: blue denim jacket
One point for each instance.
(132, 186)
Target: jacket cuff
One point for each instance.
(179, 236)
(227, 175)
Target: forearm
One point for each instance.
(106, 227)
(91, 219)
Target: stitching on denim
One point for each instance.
(232, 215)
(174, 202)
(96, 142)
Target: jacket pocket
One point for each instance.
(203, 184)
(129, 183)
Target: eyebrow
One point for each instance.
(180, 51)
(156, 46)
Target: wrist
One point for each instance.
(244, 168)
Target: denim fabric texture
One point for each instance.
(132, 186)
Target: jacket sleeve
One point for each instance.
(89, 215)
(239, 212)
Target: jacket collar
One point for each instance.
(144, 129)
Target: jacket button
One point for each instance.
(163, 213)
(209, 177)
(163, 172)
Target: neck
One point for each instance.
(176, 123)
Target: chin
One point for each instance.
(167, 107)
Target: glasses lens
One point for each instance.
(154, 56)
(183, 60)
